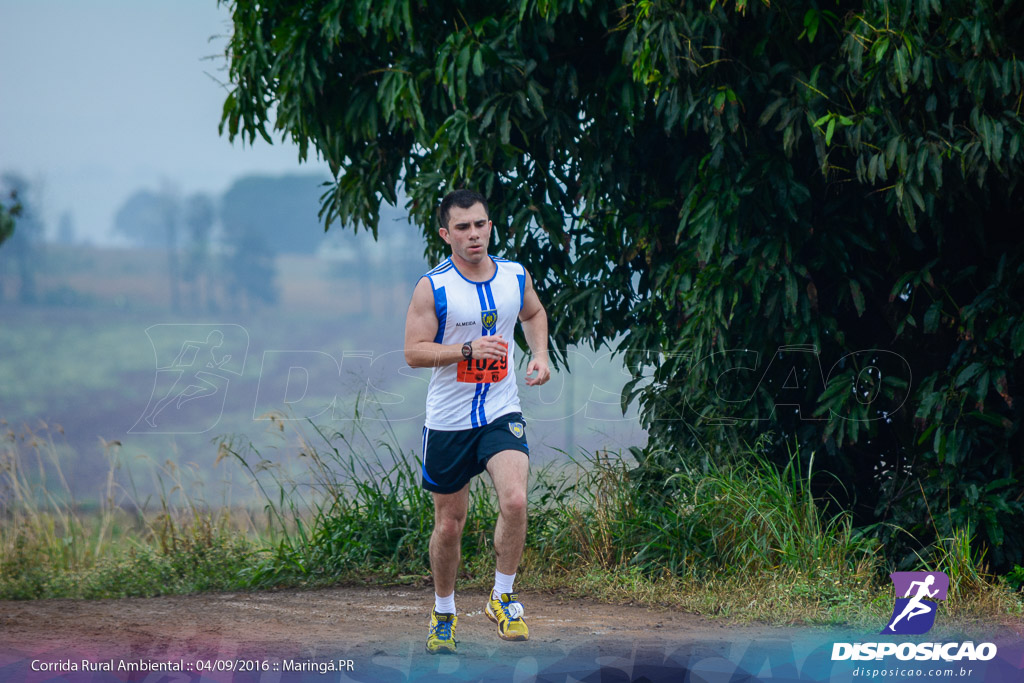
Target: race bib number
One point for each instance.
(483, 370)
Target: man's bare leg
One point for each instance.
(446, 540)
(510, 471)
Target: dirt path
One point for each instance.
(366, 634)
(380, 630)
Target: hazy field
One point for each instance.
(101, 352)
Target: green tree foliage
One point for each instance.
(21, 228)
(250, 274)
(799, 218)
(263, 217)
(149, 219)
(152, 219)
(199, 216)
(8, 216)
(281, 210)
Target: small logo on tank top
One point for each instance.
(489, 318)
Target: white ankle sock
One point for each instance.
(502, 583)
(444, 605)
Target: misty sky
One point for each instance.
(101, 98)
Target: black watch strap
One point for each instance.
(467, 351)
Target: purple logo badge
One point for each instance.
(917, 596)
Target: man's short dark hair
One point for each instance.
(463, 199)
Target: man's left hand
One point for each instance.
(539, 366)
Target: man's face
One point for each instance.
(468, 233)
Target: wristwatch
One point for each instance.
(467, 351)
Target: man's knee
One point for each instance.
(513, 505)
(449, 527)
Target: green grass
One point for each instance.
(353, 516)
(52, 545)
(747, 542)
(751, 517)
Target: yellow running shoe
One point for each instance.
(441, 638)
(507, 612)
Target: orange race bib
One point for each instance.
(483, 370)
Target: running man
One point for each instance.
(461, 323)
(916, 607)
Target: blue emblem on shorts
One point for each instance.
(489, 318)
(517, 429)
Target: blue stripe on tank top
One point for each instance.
(486, 303)
(441, 308)
(442, 266)
(522, 288)
(475, 406)
(483, 299)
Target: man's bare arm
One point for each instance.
(535, 329)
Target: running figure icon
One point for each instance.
(193, 366)
(191, 356)
(916, 607)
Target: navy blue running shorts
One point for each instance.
(451, 459)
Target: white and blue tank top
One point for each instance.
(460, 397)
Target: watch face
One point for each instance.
(467, 351)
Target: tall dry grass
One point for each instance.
(54, 545)
(748, 541)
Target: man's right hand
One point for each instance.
(493, 347)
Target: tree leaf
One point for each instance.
(879, 50)
(968, 374)
(932, 316)
(770, 110)
(858, 297)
